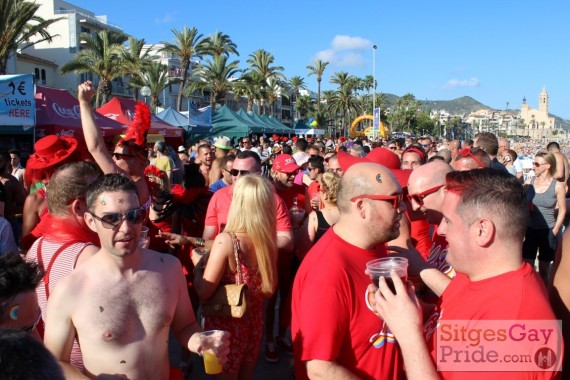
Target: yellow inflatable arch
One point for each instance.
(353, 132)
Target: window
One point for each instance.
(37, 74)
(43, 76)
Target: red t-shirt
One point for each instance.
(290, 192)
(331, 320)
(420, 236)
(437, 255)
(219, 206)
(517, 295)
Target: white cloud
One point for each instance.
(351, 60)
(326, 55)
(471, 82)
(346, 51)
(350, 43)
(166, 19)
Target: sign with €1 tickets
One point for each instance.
(17, 103)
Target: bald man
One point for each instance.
(471, 158)
(331, 282)
(426, 189)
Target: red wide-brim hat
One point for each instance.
(51, 150)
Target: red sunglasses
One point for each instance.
(419, 197)
(396, 199)
(468, 152)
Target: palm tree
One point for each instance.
(304, 105)
(342, 79)
(134, 61)
(251, 86)
(18, 25)
(318, 68)
(155, 76)
(214, 75)
(218, 44)
(101, 55)
(261, 61)
(296, 84)
(274, 90)
(344, 103)
(186, 45)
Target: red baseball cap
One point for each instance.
(285, 163)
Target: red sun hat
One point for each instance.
(285, 163)
(51, 150)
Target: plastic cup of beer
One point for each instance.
(212, 365)
(383, 267)
(200, 251)
(143, 236)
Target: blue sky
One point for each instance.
(494, 51)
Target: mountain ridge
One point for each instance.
(462, 105)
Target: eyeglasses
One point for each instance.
(227, 171)
(469, 152)
(135, 216)
(425, 145)
(395, 199)
(419, 197)
(121, 156)
(235, 172)
(537, 164)
(30, 328)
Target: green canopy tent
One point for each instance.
(286, 130)
(246, 116)
(227, 123)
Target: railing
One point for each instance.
(86, 15)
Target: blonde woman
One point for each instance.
(544, 194)
(319, 221)
(252, 220)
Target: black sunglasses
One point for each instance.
(135, 216)
(236, 172)
(121, 156)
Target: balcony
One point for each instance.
(85, 18)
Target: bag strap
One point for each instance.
(238, 266)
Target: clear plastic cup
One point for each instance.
(212, 364)
(143, 237)
(383, 267)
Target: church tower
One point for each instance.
(543, 101)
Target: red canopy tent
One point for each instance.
(57, 112)
(122, 110)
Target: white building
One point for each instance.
(66, 42)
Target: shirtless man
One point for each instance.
(122, 305)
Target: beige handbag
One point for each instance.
(229, 300)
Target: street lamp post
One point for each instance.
(145, 91)
(374, 47)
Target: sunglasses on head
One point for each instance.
(235, 172)
(121, 156)
(469, 152)
(396, 199)
(419, 197)
(135, 216)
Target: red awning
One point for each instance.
(57, 112)
(121, 110)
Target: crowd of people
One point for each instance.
(104, 254)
